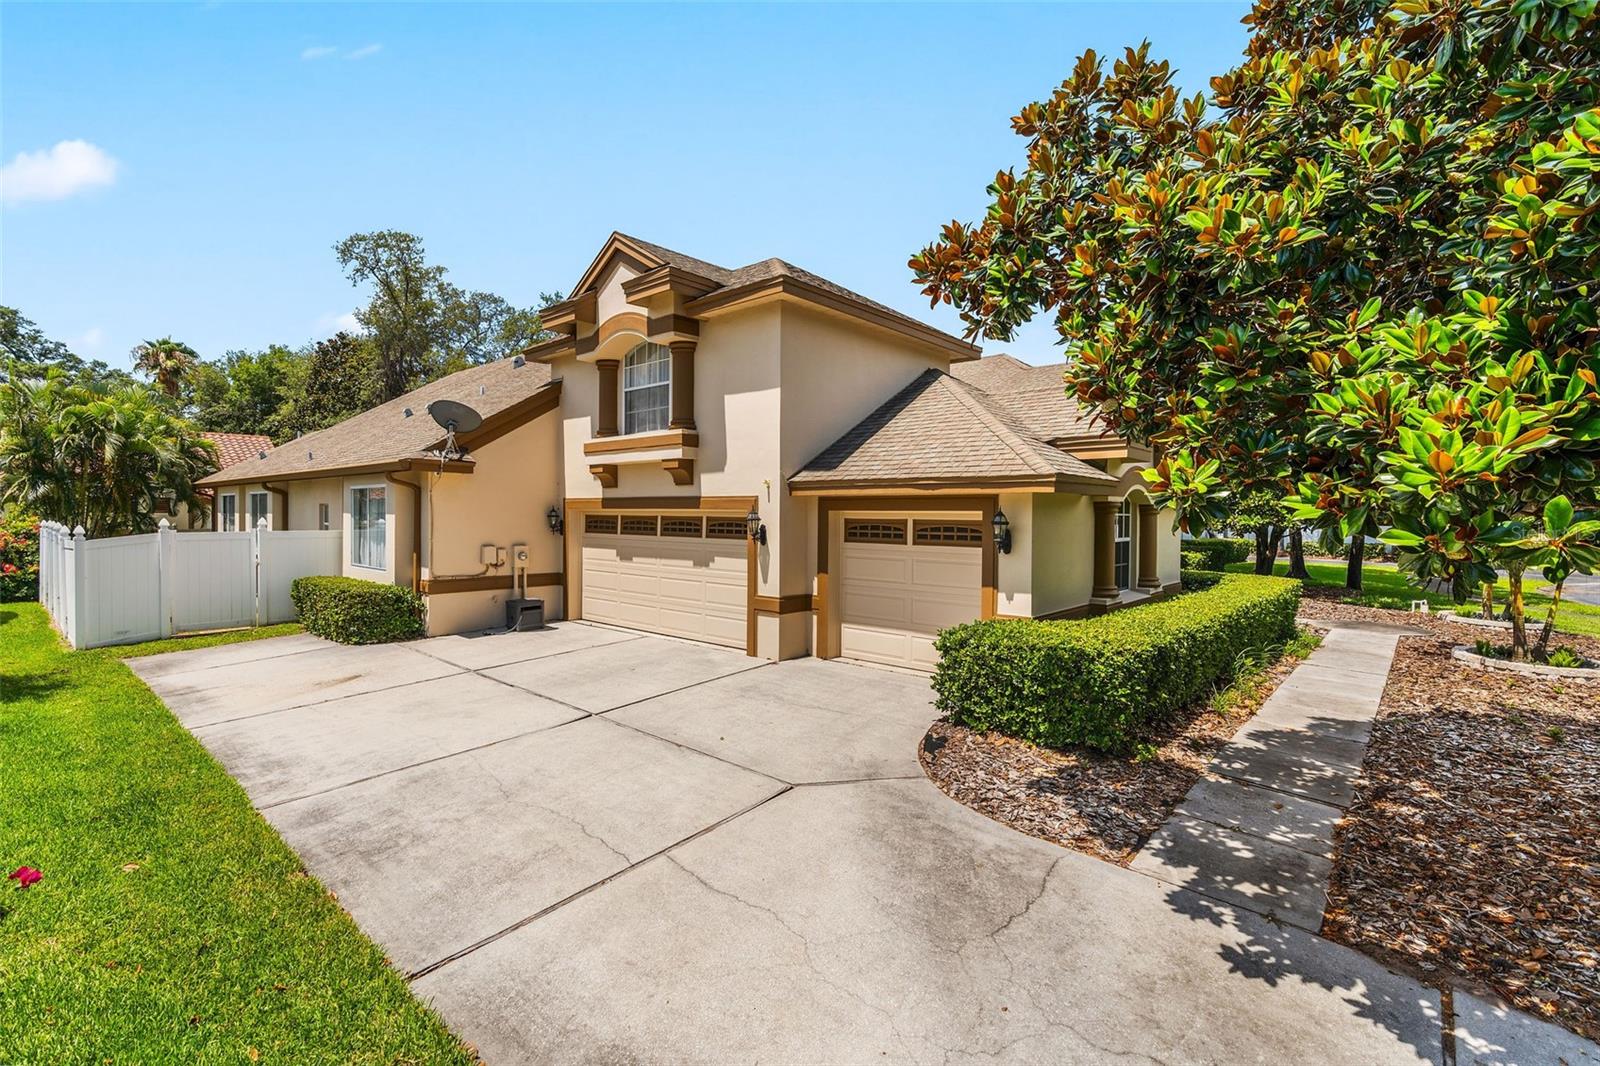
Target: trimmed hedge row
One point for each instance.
(351, 610)
(1097, 681)
(1219, 551)
(1194, 560)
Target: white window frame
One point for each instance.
(659, 416)
(1122, 545)
(228, 517)
(266, 507)
(355, 534)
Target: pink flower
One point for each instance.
(24, 876)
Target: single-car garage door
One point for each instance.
(683, 575)
(902, 581)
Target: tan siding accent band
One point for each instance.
(489, 582)
(793, 604)
(676, 438)
(625, 322)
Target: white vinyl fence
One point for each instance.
(121, 590)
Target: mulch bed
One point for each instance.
(1472, 852)
(1104, 805)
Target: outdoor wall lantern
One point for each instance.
(552, 518)
(752, 524)
(1002, 532)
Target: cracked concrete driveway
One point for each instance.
(588, 845)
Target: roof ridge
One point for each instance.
(1007, 434)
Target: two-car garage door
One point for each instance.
(903, 580)
(684, 575)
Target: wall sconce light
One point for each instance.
(752, 525)
(552, 518)
(1002, 532)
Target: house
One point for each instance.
(237, 510)
(756, 457)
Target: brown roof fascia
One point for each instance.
(666, 279)
(568, 316)
(545, 351)
(728, 298)
(616, 247)
(452, 466)
(543, 400)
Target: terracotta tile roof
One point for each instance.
(940, 429)
(385, 433)
(237, 447)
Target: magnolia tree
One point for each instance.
(1359, 274)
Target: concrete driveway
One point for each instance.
(587, 845)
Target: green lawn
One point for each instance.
(1384, 586)
(205, 640)
(172, 923)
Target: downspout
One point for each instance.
(282, 494)
(416, 529)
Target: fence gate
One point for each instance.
(213, 582)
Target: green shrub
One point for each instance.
(1194, 560)
(354, 611)
(19, 558)
(1195, 580)
(1218, 551)
(1098, 681)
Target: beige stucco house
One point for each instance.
(755, 457)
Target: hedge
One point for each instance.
(19, 558)
(351, 610)
(1194, 560)
(1219, 551)
(1098, 681)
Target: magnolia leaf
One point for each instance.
(1557, 515)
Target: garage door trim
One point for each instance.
(725, 505)
(827, 562)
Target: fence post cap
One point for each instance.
(165, 524)
(77, 532)
(261, 523)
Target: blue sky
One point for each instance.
(228, 146)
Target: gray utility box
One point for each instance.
(525, 614)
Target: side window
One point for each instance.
(322, 516)
(368, 526)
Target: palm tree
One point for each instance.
(165, 361)
(94, 457)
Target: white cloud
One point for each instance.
(90, 342)
(364, 51)
(318, 51)
(334, 322)
(56, 173)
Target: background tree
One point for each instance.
(422, 325)
(165, 361)
(338, 378)
(98, 458)
(245, 392)
(27, 352)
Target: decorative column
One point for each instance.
(1149, 579)
(606, 416)
(682, 385)
(1105, 550)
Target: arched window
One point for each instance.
(1124, 545)
(646, 388)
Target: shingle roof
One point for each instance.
(237, 447)
(940, 429)
(1034, 395)
(768, 270)
(385, 433)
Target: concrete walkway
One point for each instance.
(1257, 829)
(584, 845)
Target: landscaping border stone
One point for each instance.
(1590, 672)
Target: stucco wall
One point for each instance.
(502, 502)
(1063, 552)
(1014, 572)
(305, 496)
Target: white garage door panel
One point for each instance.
(895, 598)
(683, 587)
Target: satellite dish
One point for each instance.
(454, 418)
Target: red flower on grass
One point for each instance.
(24, 876)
